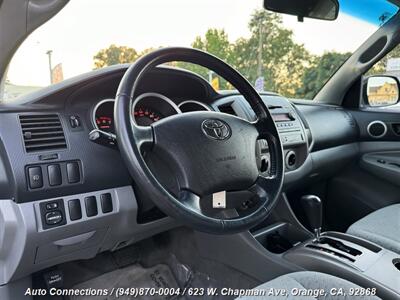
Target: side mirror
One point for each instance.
(382, 90)
(315, 9)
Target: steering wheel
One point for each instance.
(209, 152)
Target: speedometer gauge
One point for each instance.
(145, 116)
(149, 108)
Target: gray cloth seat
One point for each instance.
(381, 227)
(308, 282)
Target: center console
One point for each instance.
(342, 255)
(352, 258)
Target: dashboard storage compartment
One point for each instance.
(70, 245)
(280, 237)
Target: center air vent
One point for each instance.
(227, 109)
(42, 132)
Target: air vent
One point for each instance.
(42, 132)
(377, 129)
(227, 109)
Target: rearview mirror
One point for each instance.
(315, 9)
(382, 90)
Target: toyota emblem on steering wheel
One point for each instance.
(216, 129)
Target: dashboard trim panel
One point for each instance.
(195, 102)
(30, 248)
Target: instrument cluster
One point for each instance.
(147, 109)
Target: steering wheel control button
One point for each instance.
(75, 210)
(73, 172)
(53, 217)
(91, 206)
(54, 172)
(35, 177)
(216, 129)
(106, 203)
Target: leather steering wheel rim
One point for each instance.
(162, 137)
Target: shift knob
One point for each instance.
(313, 208)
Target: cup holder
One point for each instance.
(280, 237)
(396, 263)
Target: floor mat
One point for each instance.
(174, 254)
(159, 276)
(170, 274)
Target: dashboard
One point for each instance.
(83, 112)
(68, 195)
(86, 105)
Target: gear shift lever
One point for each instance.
(313, 208)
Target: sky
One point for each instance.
(369, 10)
(80, 30)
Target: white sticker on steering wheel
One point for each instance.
(219, 200)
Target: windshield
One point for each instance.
(274, 52)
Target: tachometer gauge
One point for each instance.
(146, 116)
(102, 116)
(104, 123)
